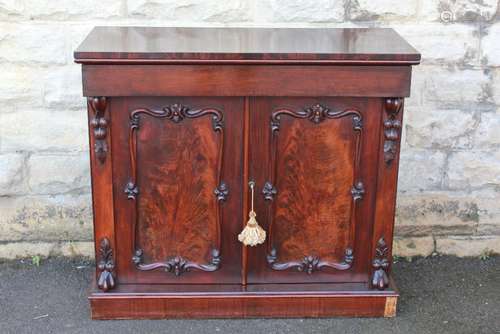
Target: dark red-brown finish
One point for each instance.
(247, 45)
(315, 166)
(177, 189)
(181, 119)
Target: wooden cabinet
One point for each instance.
(192, 128)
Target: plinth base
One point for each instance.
(130, 301)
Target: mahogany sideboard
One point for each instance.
(289, 135)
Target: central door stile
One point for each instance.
(244, 185)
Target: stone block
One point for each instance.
(190, 10)
(440, 43)
(474, 169)
(56, 174)
(20, 87)
(11, 9)
(366, 10)
(421, 170)
(468, 246)
(18, 250)
(487, 134)
(63, 88)
(409, 247)
(49, 218)
(33, 43)
(44, 130)
(454, 88)
(74, 249)
(299, 11)
(450, 11)
(490, 46)
(495, 84)
(12, 174)
(446, 212)
(432, 128)
(73, 9)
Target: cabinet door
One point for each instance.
(177, 165)
(314, 163)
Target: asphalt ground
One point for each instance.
(438, 295)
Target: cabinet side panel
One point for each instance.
(385, 207)
(102, 182)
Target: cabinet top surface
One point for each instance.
(245, 45)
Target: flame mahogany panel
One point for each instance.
(177, 172)
(176, 188)
(314, 175)
(311, 152)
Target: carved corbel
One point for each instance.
(392, 128)
(99, 126)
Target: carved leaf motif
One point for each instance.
(358, 191)
(310, 263)
(177, 264)
(131, 190)
(380, 264)
(269, 191)
(392, 128)
(222, 192)
(106, 265)
(317, 113)
(99, 124)
(176, 113)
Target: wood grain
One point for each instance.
(181, 219)
(177, 174)
(246, 80)
(127, 45)
(314, 174)
(235, 301)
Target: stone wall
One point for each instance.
(449, 186)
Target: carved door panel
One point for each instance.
(177, 189)
(313, 163)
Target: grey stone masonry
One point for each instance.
(449, 186)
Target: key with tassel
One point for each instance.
(252, 234)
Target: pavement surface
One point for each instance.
(438, 295)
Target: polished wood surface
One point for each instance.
(178, 175)
(233, 301)
(312, 162)
(180, 164)
(181, 119)
(312, 215)
(246, 80)
(258, 45)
